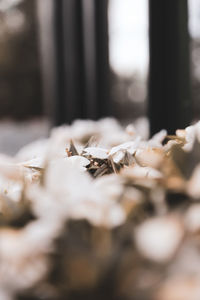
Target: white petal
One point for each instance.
(158, 238)
(96, 152)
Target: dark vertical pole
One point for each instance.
(73, 58)
(90, 57)
(49, 63)
(103, 97)
(169, 79)
(74, 43)
(95, 26)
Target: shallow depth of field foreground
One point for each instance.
(98, 212)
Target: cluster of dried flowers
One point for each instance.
(97, 212)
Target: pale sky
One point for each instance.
(128, 32)
(194, 18)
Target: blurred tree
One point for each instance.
(20, 90)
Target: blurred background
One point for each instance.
(61, 60)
